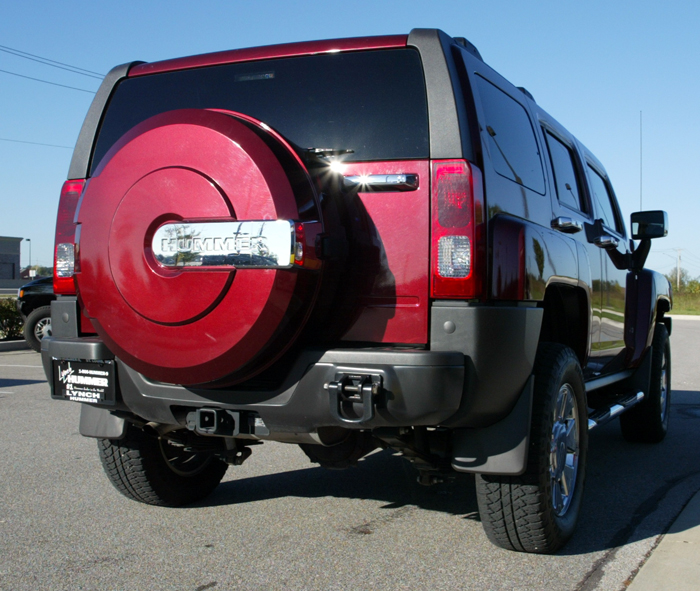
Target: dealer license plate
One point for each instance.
(84, 381)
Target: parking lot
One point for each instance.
(279, 522)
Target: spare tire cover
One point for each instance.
(186, 325)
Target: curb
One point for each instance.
(674, 563)
(20, 345)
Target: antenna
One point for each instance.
(640, 162)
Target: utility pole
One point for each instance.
(678, 268)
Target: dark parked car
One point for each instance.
(352, 244)
(34, 304)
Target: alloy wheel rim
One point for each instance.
(43, 328)
(181, 462)
(564, 450)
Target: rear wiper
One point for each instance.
(328, 152)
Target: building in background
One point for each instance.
(9, 262)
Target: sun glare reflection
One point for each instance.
(337, 166)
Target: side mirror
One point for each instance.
(649, 224)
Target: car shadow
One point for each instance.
(9, 383)
(379, 476)
(632, 492)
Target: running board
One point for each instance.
(602, 416)
(608, 380)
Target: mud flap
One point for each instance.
(500, 448)
(100, 423)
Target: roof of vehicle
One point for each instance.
(270, 52)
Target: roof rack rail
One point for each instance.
(469, 46)
(527, 93)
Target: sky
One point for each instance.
(594, 66)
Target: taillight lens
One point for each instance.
(65, 260)
(457, 227)
(64, 253)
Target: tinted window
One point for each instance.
(371, 102)
(512, 141)
(564, 172)
(602, 200)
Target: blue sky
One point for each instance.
(593, 65)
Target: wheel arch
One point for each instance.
(566, 318)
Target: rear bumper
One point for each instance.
(417, 388)
(479, 362)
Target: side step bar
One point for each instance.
(602, 416)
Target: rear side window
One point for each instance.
(371, 102)
(564, 172)
(512, 142)
(603, 200)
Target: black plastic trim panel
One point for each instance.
(418, 388)
(80, 163)
(64, 317)
(499, 345)
(445, 137)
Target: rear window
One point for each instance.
(371, 102)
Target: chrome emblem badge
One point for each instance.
(244, 244)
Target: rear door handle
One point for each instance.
(382, 182)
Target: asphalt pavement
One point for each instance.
(279, 522)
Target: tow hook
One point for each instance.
(348, 391)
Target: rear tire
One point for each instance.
(537, 511)
(648, 421)
(37, 326)
(149, 469)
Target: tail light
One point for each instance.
(457, 230)
(64, 253)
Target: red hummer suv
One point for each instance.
(352, 244)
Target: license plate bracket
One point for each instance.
(92, 381)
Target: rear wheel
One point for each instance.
(648, 421)
(37, 326)
(152, 470)
(537, 511)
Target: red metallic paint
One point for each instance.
(190, 326)
(396, 308)
(270, 52)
